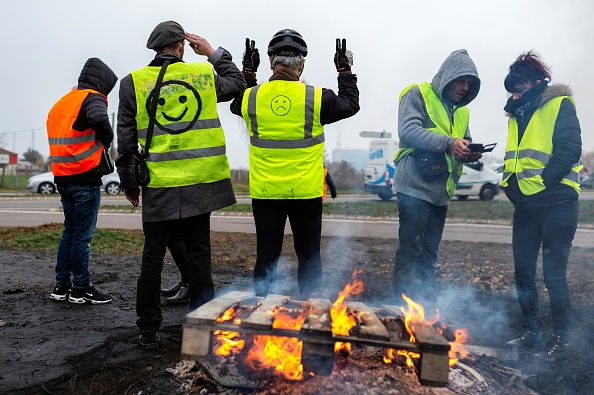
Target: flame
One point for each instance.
(415, 314)
(388, 355)
(408, 355)
(342, 321)
(283, 354)
(457, 346)
(229, 342)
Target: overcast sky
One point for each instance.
(395, 43)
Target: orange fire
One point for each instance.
(229, 342)
(413, 315)
(457, 346)
(416, 314)
(342, 321)
(283, 354)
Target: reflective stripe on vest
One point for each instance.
(188, 144)
(528, 158)
(286, 140)
(71, 152)
(444, 125)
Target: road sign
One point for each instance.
(376, 135)
(4, 159)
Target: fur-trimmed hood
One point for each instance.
(553, 91)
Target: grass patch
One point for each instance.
(9, 183)
(46, 238)
(463, 211)
(470, 211)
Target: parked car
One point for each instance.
(44, 183)
(477, 180)
(498, 168)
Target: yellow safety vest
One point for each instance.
(443, 125)
(188, 143)
(528, 158)
(286, 140)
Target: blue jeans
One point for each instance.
(552, 227)
(420, 231)
(81, 205)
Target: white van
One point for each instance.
(379, 171)
(477, 180)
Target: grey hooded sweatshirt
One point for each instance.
(413, 122)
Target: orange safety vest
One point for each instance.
(325, 185)
(71, 151)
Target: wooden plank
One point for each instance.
(428, 338)
(196, 341)
(318, 320)
(261, 316)
(504, 354)
(433, 369)
(392, 310)
(425, 334)
(208, 313)
(371, 326)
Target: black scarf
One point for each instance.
(530, 98)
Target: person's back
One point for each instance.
(285, 119)
(79, 132)
(169, 107)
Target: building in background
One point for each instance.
(355, 157)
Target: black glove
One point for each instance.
(251, 57)
(343, 58)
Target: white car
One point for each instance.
(498, 168)
(477, 180)
(44, 183)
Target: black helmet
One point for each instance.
(287, 42)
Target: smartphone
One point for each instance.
(475, 147)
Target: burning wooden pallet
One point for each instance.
(250, 315)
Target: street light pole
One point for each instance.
(376, 135)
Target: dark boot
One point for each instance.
(556, 350)
(172, 290)
(182, 296)
(529, 339)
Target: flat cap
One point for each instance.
(165, 33)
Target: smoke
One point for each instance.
(491, 319)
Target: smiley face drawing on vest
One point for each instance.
(179, 104)
(281, 105)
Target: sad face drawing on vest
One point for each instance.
(280, 105)
(188, 145)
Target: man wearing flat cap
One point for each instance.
(169, 108)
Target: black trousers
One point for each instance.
(553, 228)
(305, 217)
(177, 248)
(196, 237)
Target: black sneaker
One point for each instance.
(90, 294)
(528, 340)
(61, 292)
(556, 350)
(148, 341)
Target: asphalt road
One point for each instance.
(33, 212)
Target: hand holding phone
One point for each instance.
(475, 147)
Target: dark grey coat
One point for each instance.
(161, 204)
(413, 121)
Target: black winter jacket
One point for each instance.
(567, 150)
(93, 114)
(334, 107)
